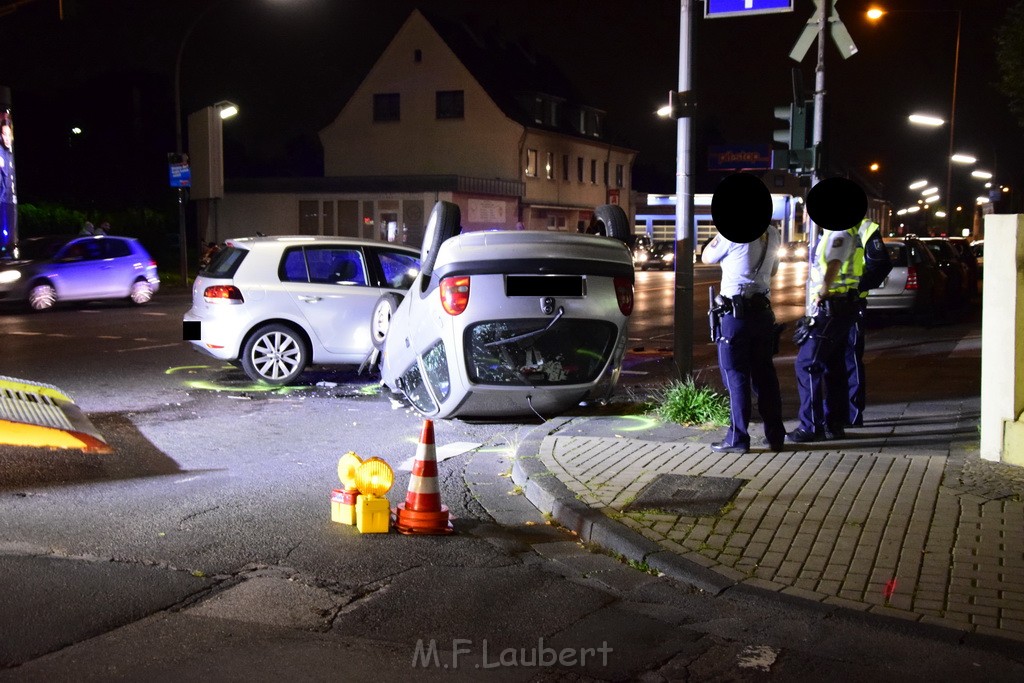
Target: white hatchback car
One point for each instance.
(277, 304)
(505, 322)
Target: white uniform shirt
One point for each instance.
(739, 261)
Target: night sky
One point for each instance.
(291, 65)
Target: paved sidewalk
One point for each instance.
(902, 519)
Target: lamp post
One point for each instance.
(178, 143)
(874, 14)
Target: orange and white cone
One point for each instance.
(422, 511)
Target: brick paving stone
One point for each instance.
(984, 620)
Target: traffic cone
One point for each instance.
(422, 511)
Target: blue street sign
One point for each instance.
(738, 8)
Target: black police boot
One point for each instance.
(803, 436)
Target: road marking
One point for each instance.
(146, 348)
(449, 450)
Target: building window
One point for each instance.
(549, 166)
(606, 174)
(593, 171)
(531, 163)
(450, 104)
(565, 167)
(387, 107)
(618, 175)
(579, 169)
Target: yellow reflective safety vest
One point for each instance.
(849, 272)
(866, 228)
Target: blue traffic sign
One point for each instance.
(738, 8)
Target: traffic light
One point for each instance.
(799, 117)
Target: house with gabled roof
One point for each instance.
(447, 112)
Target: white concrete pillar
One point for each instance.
(1002, 340)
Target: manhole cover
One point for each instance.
(686, 495)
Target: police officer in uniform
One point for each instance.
(877, 266)
(834, 277)
(747, 336)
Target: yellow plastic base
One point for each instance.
(343, 509)
(373, 515)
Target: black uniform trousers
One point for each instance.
(745, 359)
(821, 374)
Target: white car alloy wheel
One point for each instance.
(141, 292)
(42, 297)
(275, 354)
(380, 323)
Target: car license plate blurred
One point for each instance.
(544, 285)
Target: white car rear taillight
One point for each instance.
(223, 294)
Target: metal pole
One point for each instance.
(683, 346)
(817, 134)
(178, 144)
(952, 124)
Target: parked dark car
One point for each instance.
(916, 285)
(661, 255)
(966, 254)
(978, 249)
(957, 286)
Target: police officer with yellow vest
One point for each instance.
(877, 266)
(837, 263)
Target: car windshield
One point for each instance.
(41, 248)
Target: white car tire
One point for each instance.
(141, 292)
(380, 323)
(612, 222)
(275, 354)
(42, 297)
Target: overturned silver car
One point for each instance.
(501, 323)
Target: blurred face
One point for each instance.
(7, 135)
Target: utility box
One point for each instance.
(1002, 340)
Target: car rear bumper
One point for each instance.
(213, 337)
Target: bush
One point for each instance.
(688, 404)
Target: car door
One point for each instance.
(333, 295)
(76, 271)
(118, 267)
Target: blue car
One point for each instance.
(62, 268)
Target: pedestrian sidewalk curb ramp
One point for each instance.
(552, 496)
(43, 416)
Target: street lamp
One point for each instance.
(875, 14)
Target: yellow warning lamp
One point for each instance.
(343, 501)
(374, 478)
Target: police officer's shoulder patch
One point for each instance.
(837, 242)
(714, 242)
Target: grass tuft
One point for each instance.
(688, 404)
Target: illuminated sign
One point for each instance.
(737, 8)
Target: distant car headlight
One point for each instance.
(669, 257)
(641, 257)
(781, 252)
(801, 251)
(8, 276)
